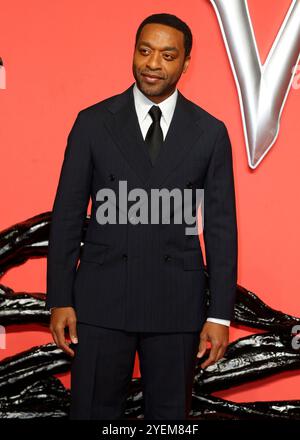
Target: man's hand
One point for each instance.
(61, 318)
(218, 335)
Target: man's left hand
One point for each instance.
(218, 335)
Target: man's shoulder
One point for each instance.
(101, 107)
(207, 118)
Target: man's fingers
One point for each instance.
(59, 331)
(221, 352)
(54, 336)
(73, 330)
(215, 346)
(202, 346)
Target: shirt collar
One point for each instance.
(143, 105)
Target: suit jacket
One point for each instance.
(143, 277)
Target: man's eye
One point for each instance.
(169, 57)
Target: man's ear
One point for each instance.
(186, 63)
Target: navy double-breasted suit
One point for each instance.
(143, 277)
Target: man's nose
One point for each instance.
(153, 61)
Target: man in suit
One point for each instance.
(140, 286)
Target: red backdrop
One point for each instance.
(64, 55)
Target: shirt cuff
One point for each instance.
(219, 321)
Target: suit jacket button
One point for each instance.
(112, 177)
(125, 256)
(167, 257)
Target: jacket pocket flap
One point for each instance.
(193, 261)
(94, 252)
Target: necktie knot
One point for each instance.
(155, 113)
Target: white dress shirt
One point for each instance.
(167, 106)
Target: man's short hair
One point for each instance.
(169, 20)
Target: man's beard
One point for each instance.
(148, 89)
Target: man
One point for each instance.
(141, 286)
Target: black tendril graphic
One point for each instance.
(28, 388)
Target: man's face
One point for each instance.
(159, 53)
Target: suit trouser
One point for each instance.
(101, 372)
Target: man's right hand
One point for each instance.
(61, 318)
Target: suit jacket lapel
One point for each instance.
(182, 134)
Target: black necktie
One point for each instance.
(154, 137)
